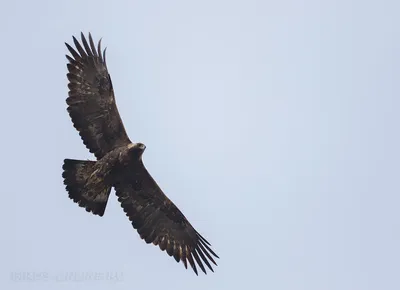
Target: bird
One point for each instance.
(93, 111)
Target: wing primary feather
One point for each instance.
(208, 248)
(207, 254)
(196, 257)
(202, 238)
(79, 47)
(71, 60)
(86, 45)
(183, 256)
(73, 52)
(204, 258)
(104, 56)
(99, 49)
(92, 45)
(191, 262)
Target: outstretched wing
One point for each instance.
(91, 101)
(159, 221)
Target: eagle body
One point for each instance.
(119, 165)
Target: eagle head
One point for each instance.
(136, 149)
(140, 146)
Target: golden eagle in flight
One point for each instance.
(92, 108)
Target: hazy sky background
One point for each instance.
(273, 126)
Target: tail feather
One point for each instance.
(76, 173)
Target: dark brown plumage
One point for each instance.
(92, 108)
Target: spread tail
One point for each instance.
(93, 199)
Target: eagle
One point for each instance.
(119, 165)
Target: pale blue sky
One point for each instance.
(273, 125)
